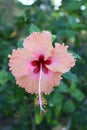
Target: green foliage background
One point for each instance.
(67, 104)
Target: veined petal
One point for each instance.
(50, 80)
(30, 82)
(62, 60)
(19, 62)
(39, 43)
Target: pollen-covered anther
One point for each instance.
(36, 101)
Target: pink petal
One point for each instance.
(62, 60)
(39, 43)
(30, 82)
(49, 81)
(19, 61)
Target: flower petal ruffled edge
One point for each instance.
(18, 62)
(48, 82)
(62, 60)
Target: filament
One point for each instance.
(39, 90)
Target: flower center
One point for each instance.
(41, 62)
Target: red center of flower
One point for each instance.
(37, 64)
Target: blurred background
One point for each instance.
(67, 104)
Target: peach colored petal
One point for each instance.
(62, 60)
(49, 81)
(30, 82)
(39, 43)
(19, 61)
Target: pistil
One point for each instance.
(39, 91)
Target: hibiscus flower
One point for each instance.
(38, 66)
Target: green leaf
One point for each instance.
(63, 88)
(73, 87)
(73, 5)
(78, 95)
(34, 28)
(55, 122)
(56, 98)
(53, 38)
(72, 21)
(57, 110)
(38, 118)
(70, 33)
(70, 76)
(48, 115)
(20, 43)
(4, 77)
(69, 106)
